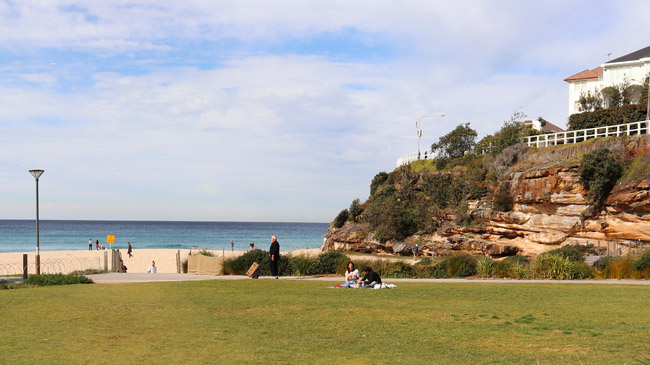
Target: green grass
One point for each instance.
(260, 321)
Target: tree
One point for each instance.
(456, 143)
(510, 134)
(590, 102)
(355, 209)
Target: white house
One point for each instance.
(633, 67)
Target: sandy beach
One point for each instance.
(68, 261)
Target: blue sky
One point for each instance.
(268, 111)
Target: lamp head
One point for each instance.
(37, 173)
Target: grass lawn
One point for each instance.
(278, 321)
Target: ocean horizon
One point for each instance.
(18, 235)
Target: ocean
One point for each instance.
(62, 235)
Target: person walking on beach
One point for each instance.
(90, 244)
(252, 245)
(97, 245)
(130, 250)
(274, 255)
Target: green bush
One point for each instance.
(621, 267)
(327, 262)
(458, 265)
(205, 252)
(56, 279)
(560, 268)
(643, 262)
(355, 210)
(88, 272)
(304, 265)
(397, 269)
(377, 181)
(602, 262)
(606, 117)
(574, 253)
(599, 172)
(341, 218)
(517, 260)
(485, 267)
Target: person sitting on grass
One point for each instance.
(351, 276)
(370, 278)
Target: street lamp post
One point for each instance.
(419, 130)
(37, 261)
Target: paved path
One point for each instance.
(115, 278)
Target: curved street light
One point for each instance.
(419, 130)
(37, 261)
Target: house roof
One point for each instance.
(552, 128)
(547, 127)
(586, 75)
(636, 55)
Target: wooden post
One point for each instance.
(607, 248)
(105, 260)
(178, 262)
(598, 247)
(25, 266)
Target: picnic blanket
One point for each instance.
(376, 286)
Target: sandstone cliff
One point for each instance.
(547, 202)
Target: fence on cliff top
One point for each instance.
(554, 139)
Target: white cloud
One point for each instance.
(253, 133)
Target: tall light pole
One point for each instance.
(37, 261)
(419, 130)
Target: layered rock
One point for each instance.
(548, 200)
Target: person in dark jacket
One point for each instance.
(274, 256)
(370, 278)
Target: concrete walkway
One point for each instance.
(115, 278)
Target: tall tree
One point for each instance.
(456, 143)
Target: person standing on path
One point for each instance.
(130, 250)
(415, 252)
(90, 244)
(274, 255)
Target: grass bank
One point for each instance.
(256, 321)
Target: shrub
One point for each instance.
(88, 272)
(304, 265)
(548, 266)
(327, 262)
(459, 265)
(598, 172)
(610, 116)
(341, 218)
(377, 181)
(397, 269)
(574, 253)
(604, 261)
(517, 260)
(355, 210)
(621, 267)
(485, 267)
(503, 202)
(56, 279)
(457, 142)
(205, 252)
(643, 262)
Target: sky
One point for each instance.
(264, 110)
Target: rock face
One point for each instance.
(547, 206)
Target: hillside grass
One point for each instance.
(278, 321)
